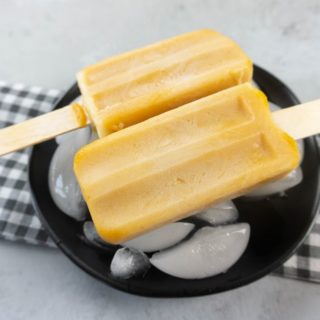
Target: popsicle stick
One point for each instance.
(300, 121)
(42, 128)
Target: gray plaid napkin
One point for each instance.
(17, 217)
(305, 264)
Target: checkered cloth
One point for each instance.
(17, 217)
(305, 264)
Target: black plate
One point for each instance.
(278, 225)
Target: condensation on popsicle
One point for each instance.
(167, 167)
(129, 88)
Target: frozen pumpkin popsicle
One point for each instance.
(126, 89)
(165, 168)
(129, 88)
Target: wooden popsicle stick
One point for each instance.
(42, 128)
(300, 121)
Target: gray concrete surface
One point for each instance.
(44, 42)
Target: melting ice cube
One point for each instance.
(63, 185)
(93, 238)
(278, 186)
(128, 263)
(161, 238)
(212, 250)
(224, 212)
(82, 134)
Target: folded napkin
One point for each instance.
(17, 217)
(305, 263)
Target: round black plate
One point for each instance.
(278, 225)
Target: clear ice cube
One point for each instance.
(211, 250)
(128, 263)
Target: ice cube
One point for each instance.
(161, 238)
(301, 149)
(80, 134)
(64, 188)
(212, 250)
(278, 186)
(128, 263)
(223, 212)
(93, 238)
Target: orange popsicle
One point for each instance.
(166, 168)
(129, 88)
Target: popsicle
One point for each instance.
(126, 89)
(132, 87)
(182, 161)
